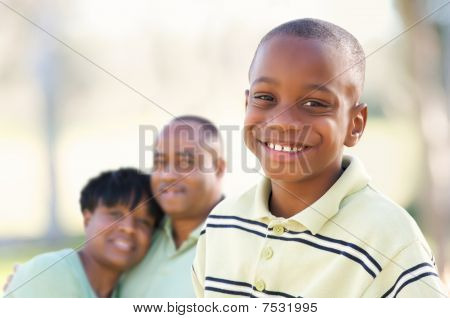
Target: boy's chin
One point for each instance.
(286, 176)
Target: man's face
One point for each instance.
(184, 175)
(118, 244)
(298, 108)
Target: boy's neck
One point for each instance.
(102, 279)
(290, 198)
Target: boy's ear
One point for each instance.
(87, 215)
(358, 119)
(247, 92)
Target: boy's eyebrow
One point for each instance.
(319, 87)
(312, 87)
(265, 79)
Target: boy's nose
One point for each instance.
(284, 120)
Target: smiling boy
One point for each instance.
(119, 217)
(314, 227)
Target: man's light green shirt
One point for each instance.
(165, 272)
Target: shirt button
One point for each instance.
(260, 285)
(267, 253)
(278, 229)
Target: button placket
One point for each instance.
(260, 285)
(267, 253)
(278, 229)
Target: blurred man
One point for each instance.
(186, 179)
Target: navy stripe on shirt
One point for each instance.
(412, 269)
(227, 281)
(299, 240)
(319, 236)
(230, 217)
(351, 245)
(229, 292)
(326, 248)
(243, 284)
(409, 281)
(236, 227)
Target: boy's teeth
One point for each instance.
(283, 148)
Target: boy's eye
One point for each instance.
(314, 103)
(262, 100)
(264, 97)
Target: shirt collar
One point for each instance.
(353, 179)
(195, 234)
(167, 228)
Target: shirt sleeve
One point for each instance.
(26, 281)
(411, 273)
(198, 268)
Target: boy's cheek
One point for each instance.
(249, 139)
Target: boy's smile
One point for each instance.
(283, 151)
(300, 108)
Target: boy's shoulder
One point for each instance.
(52, 274)
(237, 205)
(375, 219)
(370, 206)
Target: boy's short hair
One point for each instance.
(126, 186)
(328, 33)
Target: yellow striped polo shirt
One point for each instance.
(351, 242)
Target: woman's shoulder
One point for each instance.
(52, 274)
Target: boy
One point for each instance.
(119, 217)
(314, 227)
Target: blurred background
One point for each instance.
(76, 80)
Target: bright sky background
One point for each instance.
(188, 56)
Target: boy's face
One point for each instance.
(118, 244)
(300, 109)
(185, 174)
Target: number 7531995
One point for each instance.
(290, 307)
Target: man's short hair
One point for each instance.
(207, 126)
